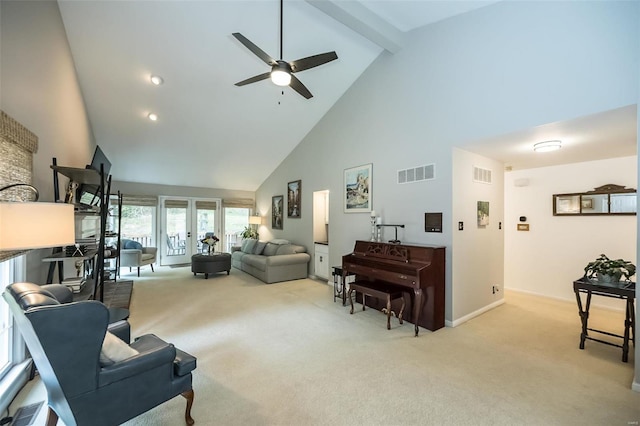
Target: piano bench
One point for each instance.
(381, 291)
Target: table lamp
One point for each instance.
(33, 225)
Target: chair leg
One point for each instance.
(52, 418)
(151, 267)
(187, 414)
(138, 271)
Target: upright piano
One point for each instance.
(420, 269)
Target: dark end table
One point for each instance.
(622, 290)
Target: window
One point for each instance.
(11, 346)
(138, 224)
(235, 220)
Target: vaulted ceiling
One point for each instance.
(209, 132)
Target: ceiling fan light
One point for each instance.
(280, 77)
(156, 79)
(547, 146)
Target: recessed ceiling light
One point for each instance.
(157, 80)
(547, 146)
(153, 117)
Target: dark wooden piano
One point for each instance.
(420, 269)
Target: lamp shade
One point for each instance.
(36, 225)
(255, 220)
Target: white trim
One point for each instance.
(635, 386)
(474, 314)
(12, 382)
(562, 299)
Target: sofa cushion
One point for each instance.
(260, 245)
(248, 246)
(279, 241)
(290, 249)
(255, 261)
(270, 249)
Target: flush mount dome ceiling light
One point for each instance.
(152, 116)
(156, 79)
(547, 146)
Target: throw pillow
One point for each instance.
(114, 350)
(279, 241)
(130, 244)
(248, 246)
(270, 249)
(260, 245)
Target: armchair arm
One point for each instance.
(121, 329)
(153, 352)
(130, 257)
(150, 250)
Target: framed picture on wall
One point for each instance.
(294, 198)
(357, 189)
(483, 213)
(277, 206)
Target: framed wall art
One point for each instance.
(483, 213)
(294, 198)
(277, 208)
(357, 189)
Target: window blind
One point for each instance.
(176, 204)
(246, 203)
(206, 205)
(17, 145)
(139, 200)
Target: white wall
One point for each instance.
(478, 251)
(496, 70)
(547, 259)
(39, 88)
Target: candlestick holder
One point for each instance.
(373, 228)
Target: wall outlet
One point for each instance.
(495, 289)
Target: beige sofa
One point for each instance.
(271, 262)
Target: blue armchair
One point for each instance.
(88, 383)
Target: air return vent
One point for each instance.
(417, 174)
(25, 416)
(481, 175)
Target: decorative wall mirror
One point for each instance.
(606, 199)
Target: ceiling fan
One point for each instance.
(282, 71)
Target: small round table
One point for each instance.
(210, 263)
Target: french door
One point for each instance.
(184, 223)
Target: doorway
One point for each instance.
(184, 223)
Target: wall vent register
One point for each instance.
(417, 174)
(481, 175)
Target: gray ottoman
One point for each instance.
(210, 263)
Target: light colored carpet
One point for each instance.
(286, 354)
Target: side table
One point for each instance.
(625, 291)
(339, 284)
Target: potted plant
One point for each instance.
(249, 233)
(607, 270)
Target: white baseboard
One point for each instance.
(635, 386)
(474, 314)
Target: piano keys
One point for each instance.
(420, 269)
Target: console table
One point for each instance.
(624, 291)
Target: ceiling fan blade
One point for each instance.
(299, 87)
(255, 49)
(312, 61)
(254, 79)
